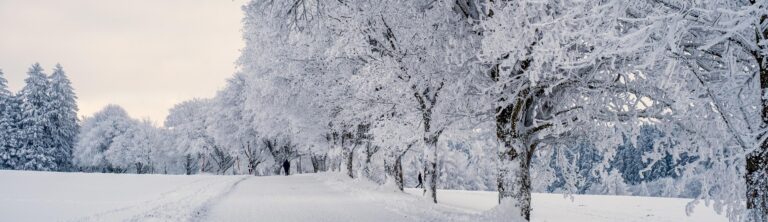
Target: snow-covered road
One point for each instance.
(45, 196)
(298, 198)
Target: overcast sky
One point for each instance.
(145, 55)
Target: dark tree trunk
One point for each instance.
(370, 150)
(298, 167)
(349, 159)
(514, 181)
(139, 168)
(188, 164)
(367, 169)
(757, 160)
(318, 163)
(394, 172)
(427, 101)
(315, 164)
(757, 183)
(252, 165)
(397, 171)
(430, 171)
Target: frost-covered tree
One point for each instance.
(722, 50)
(293, 87)
(712, 57)
(63, 114)
(188, 122)
(9, 118)
(282, 150)
(405, 60)
(37, 148)
(255, 155)
(136, 148)
(96, 137)
(398, 136)
(563, 71)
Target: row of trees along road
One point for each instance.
(541, 75)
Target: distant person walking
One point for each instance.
(421, 183)
(287, 167)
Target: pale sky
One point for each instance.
(144, 55)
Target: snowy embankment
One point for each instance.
(41, 196)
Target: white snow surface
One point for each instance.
(45, 196)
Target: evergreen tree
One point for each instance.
(7, 125)
(636, 170)
(9, 122)
(577, 173)
(37, 150)
(4, 92)
(63, 116)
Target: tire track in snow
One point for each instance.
(139, 204)
(201, 213)
(182, 204)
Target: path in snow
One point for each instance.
(188, 202)
(323, 197)
(333, 197)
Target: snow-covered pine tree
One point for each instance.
(63, 116)
(11, 119)
(4, 123)
(37, 150)
(7, 126)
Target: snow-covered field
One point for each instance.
(588, 208)
(41, 196)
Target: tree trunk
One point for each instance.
(324, 163)
(367, 169)
(514, 181)
(757, 184)
(203, 163)
(430, 171)
(318, 163)
(315, 163)
(398, 173)
(188, 164)
(394, 170)
(139, 168)
(298, 167)
(236, 169)
(757, 160)
(252, 167)
(349, 161)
